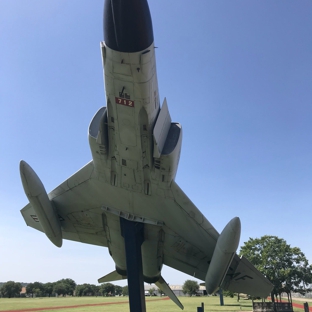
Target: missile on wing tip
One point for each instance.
(223, 254)
(41, 203)
(127, 25)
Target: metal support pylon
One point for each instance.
(133, 234)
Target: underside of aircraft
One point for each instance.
(129, 185)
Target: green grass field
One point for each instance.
(153, 304)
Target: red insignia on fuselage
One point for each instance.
(124, 102)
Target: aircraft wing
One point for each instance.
(82, 200)
(70, 200)
(241, 276)
(88, 208)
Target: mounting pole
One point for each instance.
(221, 297)
(133, 234)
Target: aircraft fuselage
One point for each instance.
(134, 145)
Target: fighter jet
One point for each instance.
(135, 150)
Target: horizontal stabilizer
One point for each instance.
(164, 287)
(111, 277)
(247, 279)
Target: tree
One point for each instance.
(37, 289)
(190, 287)
(125, 291)
(37, 292)
(107, 289)
(48, 288)
(118, 290)
(60, 288)
(65, 286)
(285, 267)
(87, 290)
(40, 289)
(95, 290)
(83, 290)
(79, 290)
(11, 289)
(70, 285)
(30, 289)
(152, 291)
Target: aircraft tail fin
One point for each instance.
(111, 277)
(163, 286)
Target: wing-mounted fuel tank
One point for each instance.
(41, 203)
(98, 137)
(167, 145)
(223, 255)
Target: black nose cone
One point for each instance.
(127, 25)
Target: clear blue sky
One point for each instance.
(238, 77)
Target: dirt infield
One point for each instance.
(76, 306)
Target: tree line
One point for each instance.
(63, 287)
